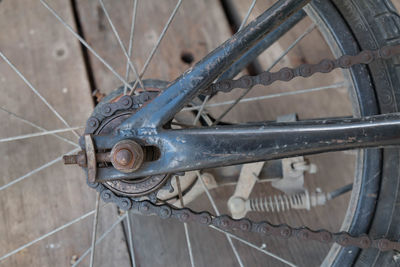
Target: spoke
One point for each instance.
(36, 92)
(185, 226)
(189, 244)
(44, 166)
(201, 110)
(211, 199)
(134, 11)
(38, 127)
(301, 37)
(253, 246)
(69, 28)
(25, 136)
(128, 222)
(94, 233)
(47, 235)
(153, 51)
(247, 15)
(118, 221)
(257, 98)
(121, 44)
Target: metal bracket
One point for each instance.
(292, 181)
(247, 179)
(293, 170)
(91, 158)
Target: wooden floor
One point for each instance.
(53, 61)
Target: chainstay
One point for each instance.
(265, 228)
(304, 70)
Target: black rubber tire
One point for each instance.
(374, 24)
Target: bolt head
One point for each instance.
(127, 156)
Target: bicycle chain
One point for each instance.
(226, 222)
(304, 70)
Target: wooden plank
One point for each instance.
(396, 5)
(198, 27)
(51, 59)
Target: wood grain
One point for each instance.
(199, 27)
(51, 59)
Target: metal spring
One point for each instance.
(279, 203)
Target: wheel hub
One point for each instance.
(127, 155)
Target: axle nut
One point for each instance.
(127, 156)
(123, 157)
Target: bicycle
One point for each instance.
(129, 148)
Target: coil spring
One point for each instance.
(279, 203)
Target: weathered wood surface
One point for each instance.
(199, 27)
(50, 57)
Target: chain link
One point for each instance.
(225, 222)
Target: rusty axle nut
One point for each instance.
(127, 156)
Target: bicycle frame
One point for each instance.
(202, 148)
